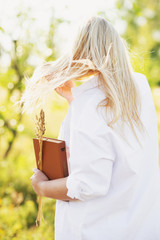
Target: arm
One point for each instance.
(91, 173)
(55, 189)
(91, 155)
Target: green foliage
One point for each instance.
(18, 201)
(143, 35)
(23, 49)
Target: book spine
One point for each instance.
(64, 160)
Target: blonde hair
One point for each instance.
(97, 49)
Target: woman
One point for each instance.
(113, 187)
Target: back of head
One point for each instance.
(97, 49)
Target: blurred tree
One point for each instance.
(142, 32)
(23, 56)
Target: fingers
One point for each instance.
(35, 170)
(32, 177)
(58, 89)
(70, 83)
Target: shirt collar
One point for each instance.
(91, 83)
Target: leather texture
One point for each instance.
(54, 157)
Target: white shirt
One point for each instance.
(118, 185)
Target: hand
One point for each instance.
(65, 90)
(37, 179)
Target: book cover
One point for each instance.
(54, 157)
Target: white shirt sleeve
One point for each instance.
(91, 157)
(60, 136)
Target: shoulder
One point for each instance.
(141, 79)
(143, 84)
(87, 115)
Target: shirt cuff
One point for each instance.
(74, 187)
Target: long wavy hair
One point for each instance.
(97, 49)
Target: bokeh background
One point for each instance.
(33, 31)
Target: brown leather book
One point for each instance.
(54, 157)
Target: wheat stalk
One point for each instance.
(39, 132)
